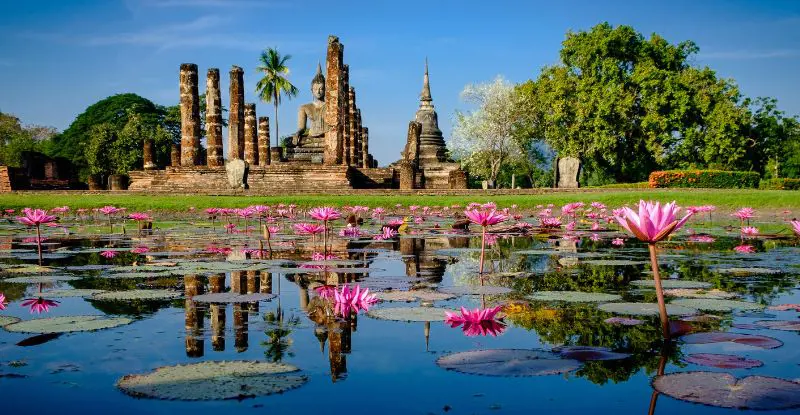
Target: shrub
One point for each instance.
(780, 184)
(637, 185)
(716, 179)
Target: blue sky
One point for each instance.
(58, 57)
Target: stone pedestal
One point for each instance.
(190, 115)
(175, 155)
(250, 135)
(276, 154)
(214, 155)
(567, 173)
(334, 103)
(236, 117)
(147, 155)
(236, 170)
(408, 175)
(95, 183)
(117, 182)
(263, 141)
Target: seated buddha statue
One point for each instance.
(311, 117)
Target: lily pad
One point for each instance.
(77, 292)
(623, 321)
(227, 298)
(716, 305)
(726, 391)
(41, 279)
(137, 295)
(574, 296)
(414, 295)
(508, 362)
(67, 324)
(589, 353)
(29, 269)
(645, 309)
(213, 381)
(408, 313)
(699, 293)
(665, 284)
(6, 320)
(763, 342)
(784, 325)
(749, 271)
(722, 361)
(476, 290)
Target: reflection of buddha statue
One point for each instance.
(311, 117)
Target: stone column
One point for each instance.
(352, 125)
(175, 155)
(360, 141)
(334, 103)
(408, 176)
(190, 115)
(214, 156)
(250, 135)
(365, 148)
(236, 117)
(346, 138)
(148, 154)
(263, 141)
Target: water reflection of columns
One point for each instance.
(253, 282)
(194, 317)
(418, 264)
(304, 299)
(240, 317)
(339, 344)
(266, 283)
(217, 285)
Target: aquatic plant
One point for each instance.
(796, 227)
(484, 218)
(651, 224)
(3, 302)
(39, 305)
(478, 322)
(352, 300)
(35, 218)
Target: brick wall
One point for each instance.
(5, 180)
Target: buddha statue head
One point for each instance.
(318, 85)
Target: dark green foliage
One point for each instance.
(780, 184)
(113, 111)
(707, 179)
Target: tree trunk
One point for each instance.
(277, 137)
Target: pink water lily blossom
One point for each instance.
(386, 233)
(109, 254)
(140, 250)
(39, 305)
(653, 222)
(139, 216)
(744, 249)
(353, 300)
(308, 228)
(35, 217)
(478, 322)
(3, 302)
(326, 292)
(485, 217)
(749, 231)
(109, 210)
(324, 213)
(744, 213)
(551, 222)
(618, 242)
(796, 227)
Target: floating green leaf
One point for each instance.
(67, 324)
(645, 309)
(137, 295)
(710, 304)
(409, 313)
(508, 362)
(726, 391)
(574, 296)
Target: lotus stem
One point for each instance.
(483, 251)
(662, 307)
(39, 243)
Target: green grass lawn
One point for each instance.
(723, 199)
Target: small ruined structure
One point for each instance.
(214, 155)
(424, 160)
(567, 169)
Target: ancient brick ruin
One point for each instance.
(329, 152)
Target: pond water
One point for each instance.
(366, 363)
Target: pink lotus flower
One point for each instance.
(485, 217)
(749, 231)
(549, 222)
(744, 249)
(378, 213)
(350, 232)
(571, 226)
(796, 227)
(109, 210)
(230, 227)
(354, 300)
(386, 233)
(598, 205)
(705, 239)
(35, 217)
(109, 254)
(595, 237)
(744, 213)
(273, 229)
(324, 214)
(217, 250)
(9, 211)
(570, 209)
(654, 222)
(478, 322)
(308, 228)
(140, 250)
(62, 209)
(701, 209)
(618, 242)
(38, 305)
(319, 256)
(326, 292)
(3, 302)
(212, 211)
(140, 217)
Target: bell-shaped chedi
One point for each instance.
(432, 147)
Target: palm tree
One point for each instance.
(274, 84)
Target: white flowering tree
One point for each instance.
(483, 139)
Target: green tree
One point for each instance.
(16, 139)
(98, 157)
(114, 110)
(274, 84)
(774, 136)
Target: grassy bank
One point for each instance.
(724, 199)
